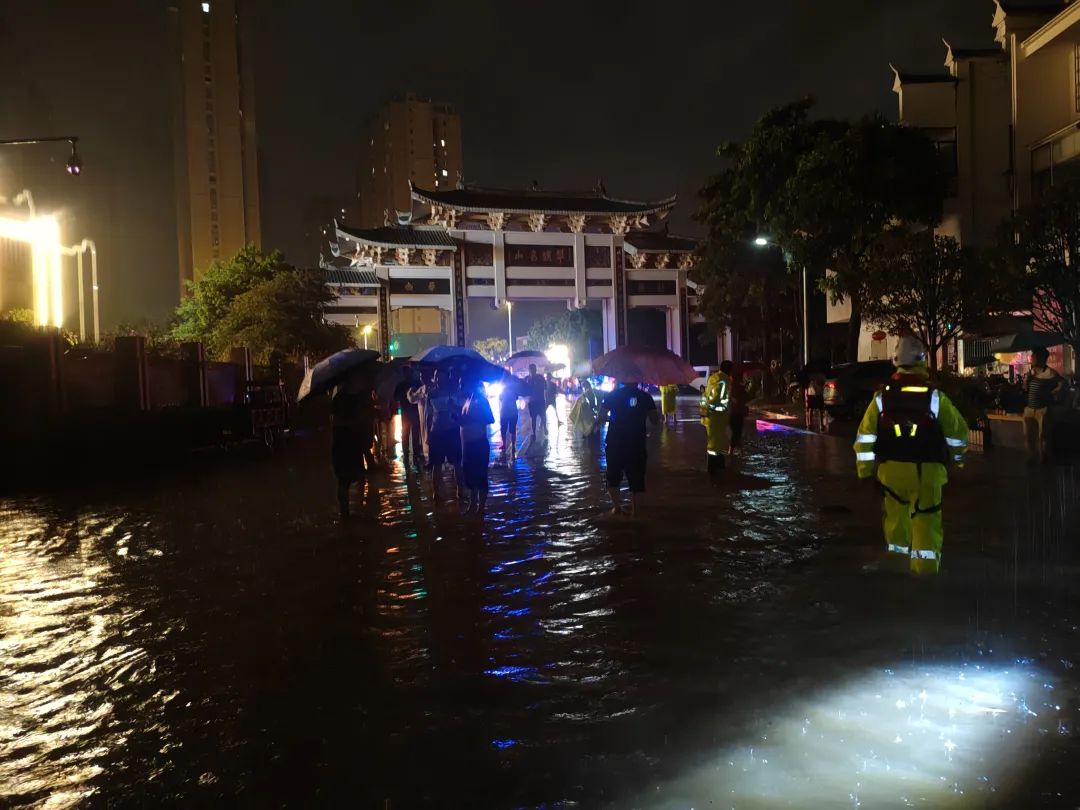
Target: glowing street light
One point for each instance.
(73, 165)
(366, 332)
(761, 241)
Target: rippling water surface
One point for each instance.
(219, 638)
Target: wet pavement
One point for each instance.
(219, 639)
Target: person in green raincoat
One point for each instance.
(585, 410)
(910, 432)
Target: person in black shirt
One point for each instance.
(353, 418)
(627, 410)
(537, 388)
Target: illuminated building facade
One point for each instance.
(216, 166)
(500, 246)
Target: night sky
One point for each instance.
(638, 94)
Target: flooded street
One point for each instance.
(217, 638)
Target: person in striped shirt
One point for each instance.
(1043, 386)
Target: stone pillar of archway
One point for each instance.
(459, 311)
(383, 315)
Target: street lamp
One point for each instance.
(366, 332)
(764, 241)
(510, 325)
(73, 166)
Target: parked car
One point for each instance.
(851, 386)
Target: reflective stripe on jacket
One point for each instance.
(952, 424)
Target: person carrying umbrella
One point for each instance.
(716, 415)
(628, 411)
(353, 420)
(476, 415)
(350, 374)
(444, 437)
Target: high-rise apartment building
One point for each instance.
(410, 139)
(216, 164)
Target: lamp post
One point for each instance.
(366, 332)
(510, 325)
(764, 241)
(74, 162)
(78, 251)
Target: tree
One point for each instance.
(494, 349)
(576, 328)
(924, 284)
(284, 316)
(1046, 252)
(261, 302)
(851, 191)
(824, 191)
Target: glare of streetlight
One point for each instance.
(42, 234)
(761, 241)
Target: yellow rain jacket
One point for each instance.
(911, 465)
(716, 413)
(668, 399)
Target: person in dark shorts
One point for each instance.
(444, 436)
(627, 410)
(536, 385)
(412, 448)
(508, 420)
(476, 415)
(352, 416)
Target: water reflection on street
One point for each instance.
(219, 637)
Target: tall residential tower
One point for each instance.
(216, 163)
(410, 139)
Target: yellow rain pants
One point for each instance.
(912, 512)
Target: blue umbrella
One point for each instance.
(327, 373)
(466, 362)
(443, 354)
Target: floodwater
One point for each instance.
(219, 639)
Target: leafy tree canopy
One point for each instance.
(495, 349)
(257, 300)
(824, 191)
(1045, 253)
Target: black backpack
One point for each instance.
(908, 429)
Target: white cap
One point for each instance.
(909, 351)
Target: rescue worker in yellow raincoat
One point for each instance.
(911, 431)
(716, 416)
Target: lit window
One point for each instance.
(436, 184)
(445, 173)
(442, 141)
(205, 8)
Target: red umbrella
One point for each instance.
(640, 364)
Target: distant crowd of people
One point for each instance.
(445, 419)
